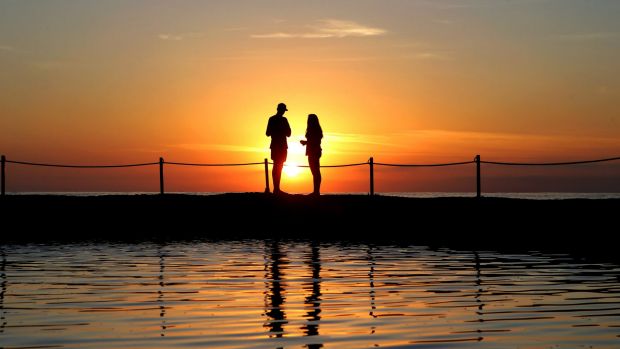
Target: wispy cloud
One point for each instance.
(327, 28)
(359, 138)
(424, 56)
(180, 36)
(219, 147)
(456, 5)
(444, 21)
(607, 91)
(411, 44)
(596, 36)
(7, 48)
(235, 29)
(141, 150)
(276, 36)
(431, 56)
(428, 145)
(433, 144)
(51, 65)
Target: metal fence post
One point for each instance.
(478, 191)
(2, 175)
(161, 176)
(371, 162)
(267, 176)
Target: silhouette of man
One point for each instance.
(278, 129)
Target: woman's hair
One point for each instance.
(314, 127)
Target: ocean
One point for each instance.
(302, 294)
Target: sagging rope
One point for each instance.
(80, 166)
(548, 163)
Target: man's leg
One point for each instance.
(276, 173)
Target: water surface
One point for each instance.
(257, 294)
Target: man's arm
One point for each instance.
(268, 133)
(288, 128)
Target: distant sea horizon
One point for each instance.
(529, 196)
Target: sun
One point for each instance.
(291, 169)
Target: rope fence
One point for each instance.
(477, 161)
(549, 163)
(79, 166)
(212, 165)
(425, 165)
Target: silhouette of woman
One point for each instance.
(314, 134)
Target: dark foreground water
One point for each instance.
(255, 294)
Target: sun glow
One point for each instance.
(291, 169)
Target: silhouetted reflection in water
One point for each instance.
(274, 296)
(371, 291)
(2, 290)
(479, 292)
(313, 301)
(371, 278)
(160, 292)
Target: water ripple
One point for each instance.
(257, 294)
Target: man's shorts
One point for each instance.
(279, 155)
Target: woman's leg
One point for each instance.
(315, 168)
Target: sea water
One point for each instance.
(301, 294)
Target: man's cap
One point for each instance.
(282, 106)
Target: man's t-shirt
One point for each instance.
(278, 129)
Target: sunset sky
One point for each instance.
(404, 81)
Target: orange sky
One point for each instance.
(413, 82)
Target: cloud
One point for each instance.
(51, 65)
(180, 36)
(596, 36)
(219, 147)
(359, 138)
(327, 28)
(361, 144)
(607, 91)
(430, 56)
(7, 48)
(423, 56)
(457, 5)
(429, 145)
(411, 44)
(274, 36)
(355, 59)
(339, 28)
